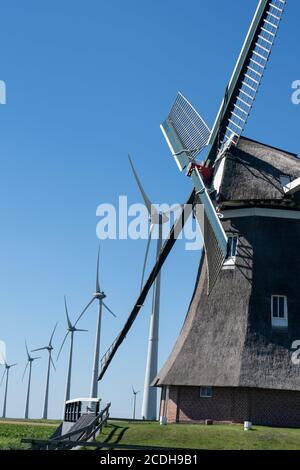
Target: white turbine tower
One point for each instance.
(71, 330)
(100, 296)
(29, 363)
(48, 348)
(134, 392)
(6, 372)
(149, 406)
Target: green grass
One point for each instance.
(219, 437)
(52, 422)
(196, 436)
(12, 433)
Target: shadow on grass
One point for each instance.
(115, 435)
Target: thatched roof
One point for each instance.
(227, 338)
(252, 172)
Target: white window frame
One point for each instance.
(205, 395)
(278, 322)
(229, 263)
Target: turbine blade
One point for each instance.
(146, 255)
(84, 310)
(25, 371)
(39, 349)
(28, 355)
(167, 247)
(109, 310)
(34, 358)
(50, 342)
(52, 363)
(2, 352)
(62, 345)
(174, 208)
(97, 273)
(147, 201)
(67, 315)
(2, 377)
(13, 365)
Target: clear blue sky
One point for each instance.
(88, 82)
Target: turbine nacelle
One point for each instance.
(70, 328)
(156, 217)
(99, 295)
(31, 359)
(73, 328)
(8, 366)
(49, 346)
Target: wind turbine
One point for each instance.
(29, 362)
(100, 296)
(70, 330)
(48, 348)
(134, 401)
(6, 372)
(149, 406)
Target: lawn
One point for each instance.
(195, 436)
(221, 437)
(11, 432)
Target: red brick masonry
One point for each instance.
(261, 406)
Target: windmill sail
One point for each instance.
(174, 233)
(185, 130)
(247, 76)
(215, 255)
(215, 239)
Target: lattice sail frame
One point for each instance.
(247, 76)
(191, 128)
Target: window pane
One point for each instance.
(234, 246)
(285, 179)
(205, 392)
(281, 307)
(275, 306)
(229, 247)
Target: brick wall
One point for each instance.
(261, 406)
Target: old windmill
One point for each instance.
(232, 360)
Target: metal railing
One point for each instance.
(65, 441)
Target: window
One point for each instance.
(205, 392)
(232, 246)
(231, 251)
(279, 311)
(285, 179)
